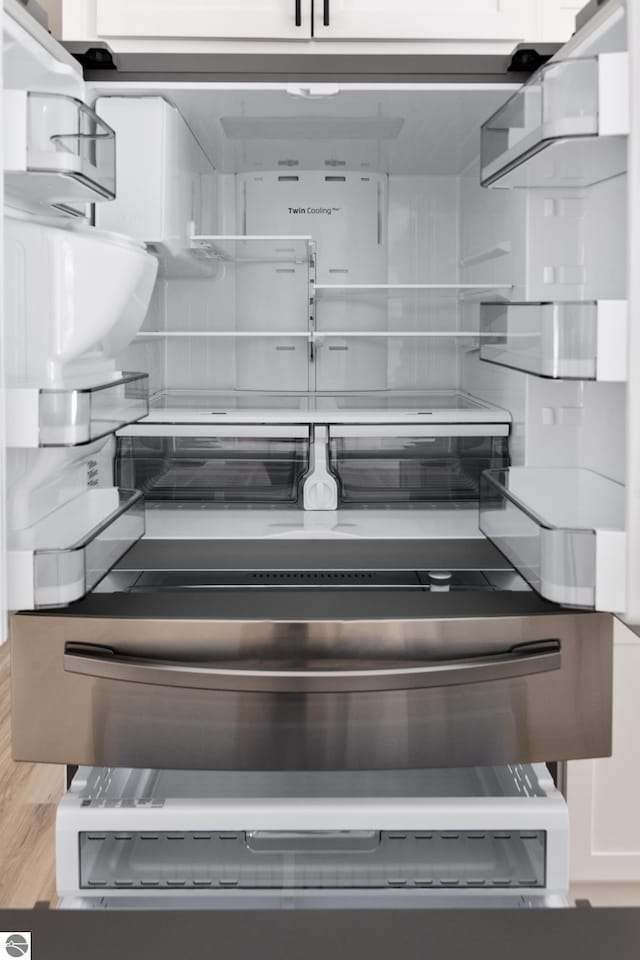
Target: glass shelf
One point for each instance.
(584, 340)
(401, 334)
(252, 249)
(278, 334)
(183, 407)
(65, 560)
(68, 159)
(559, 130)
(417, 292)
(556, 526)
(67, 418)
(311, 334)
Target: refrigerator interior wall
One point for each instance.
(405, 246)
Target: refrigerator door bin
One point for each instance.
(61, 155)
(567, 341)
(476, 830)
(423, 464)
(66, 418)
(565, 127)
(215, 465)
(58, 561)
(562, 529)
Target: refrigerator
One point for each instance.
(320, 466)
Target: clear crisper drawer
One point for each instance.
(64, 556)
(238, 466)
(469, 830)
(316, 859)
(70, 151)
(58, 417)
(419, 466)
(563, 128)
(562, 529)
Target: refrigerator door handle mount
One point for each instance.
(522, 660)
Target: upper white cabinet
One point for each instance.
(475, 21)
(424, 19)
(557, 19)
(221, 19)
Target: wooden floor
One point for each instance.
(29, 794)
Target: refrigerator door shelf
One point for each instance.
(68, 418)
(58, 152)
(562, 529)
(580, 340)
(566, 127)
(65, 555)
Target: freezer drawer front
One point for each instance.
(316, 695)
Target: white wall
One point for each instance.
(54, 9)
(423, 248)
(489, 220)
(565, 244)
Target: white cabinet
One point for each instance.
(222, 19)
(507, 21)
(603, 794)
(424, 19)
(557, 19)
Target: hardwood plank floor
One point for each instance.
(29, 794)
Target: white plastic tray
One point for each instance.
(473, 831)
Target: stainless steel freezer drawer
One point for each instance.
(310, 694)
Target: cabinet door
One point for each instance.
(424, 19)
(557, 20)
(213, 19)
(603, 794)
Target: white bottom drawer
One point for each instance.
(396, 838)
(283, 902)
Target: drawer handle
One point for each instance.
(522, 660)
(298, 13)
(326, 20)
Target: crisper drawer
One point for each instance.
(440, 463)
(392, 836)
(215, 465)
(320, 694)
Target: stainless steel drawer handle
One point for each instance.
(521, 660)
